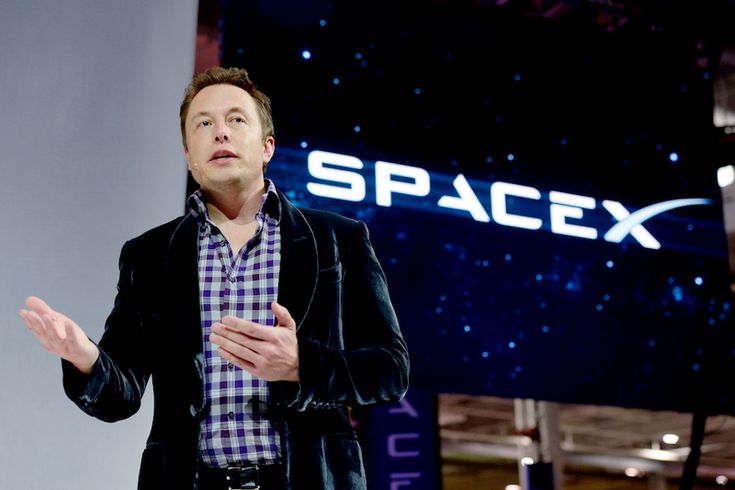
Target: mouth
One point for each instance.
(221, 155)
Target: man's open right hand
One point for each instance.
(59, 335)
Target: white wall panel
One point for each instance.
(90, 156)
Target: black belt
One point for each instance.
(263, 477)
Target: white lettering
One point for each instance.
(398, 480)
(620, 214)
(355, 190)
(385, 186)
(570, 206)
(343, 181)
(467, 200)
(499, 192)
(405, 407)
(393, 450)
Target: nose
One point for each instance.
(222, 135)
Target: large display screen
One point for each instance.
(539, 185)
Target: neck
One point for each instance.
(239, 205)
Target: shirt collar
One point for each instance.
(270, 205)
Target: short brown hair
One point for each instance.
(231, 76)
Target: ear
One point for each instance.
(269, 148)
(188, 158)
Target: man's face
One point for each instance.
(225, 146)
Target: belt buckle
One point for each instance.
(237, 479)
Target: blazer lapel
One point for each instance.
(299, 262)
(296, 283)
(182, 287)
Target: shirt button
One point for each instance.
(231, 415)
(230, 366)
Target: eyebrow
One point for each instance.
(229, 111)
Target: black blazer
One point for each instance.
(351, 351)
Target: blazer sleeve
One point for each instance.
(372, 366)
(114, 389)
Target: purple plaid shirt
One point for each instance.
(238, 428)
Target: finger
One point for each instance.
(244, 352)
(245, 327)
(237, 361)
(30, 322)
(38, 329)
(35, 324)
(283, 317)
(234, 322)
(25, 315)
(235, 333)
(238, 346)
(38, 305)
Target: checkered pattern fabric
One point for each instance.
(241, 284)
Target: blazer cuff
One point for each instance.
(316, 386)
(84, 389)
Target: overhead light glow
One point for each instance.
(726, 175)
(632, 472)
(526, 461)
(670, 438)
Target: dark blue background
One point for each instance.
(578, 102)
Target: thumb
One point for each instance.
(283, 317)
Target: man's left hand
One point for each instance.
(270, 353)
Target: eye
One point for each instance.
(238, 119)
(204, 123)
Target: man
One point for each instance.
(259, 323)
